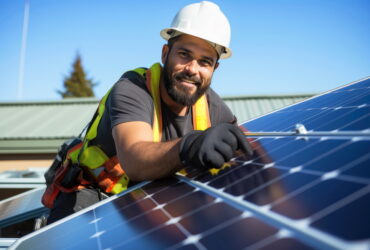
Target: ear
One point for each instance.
(165, 51)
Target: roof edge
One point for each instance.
(80, 100)
(269, 96)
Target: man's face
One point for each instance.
(188, 68)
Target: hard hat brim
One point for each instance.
(166, 34)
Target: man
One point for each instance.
(198, 38)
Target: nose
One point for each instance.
(192, 67)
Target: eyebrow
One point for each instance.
(191, 52)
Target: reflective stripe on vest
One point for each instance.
(107, 172)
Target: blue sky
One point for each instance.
(279, 46)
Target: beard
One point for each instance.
(180, 93)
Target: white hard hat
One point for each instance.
(204, 20)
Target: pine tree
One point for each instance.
(77, 85)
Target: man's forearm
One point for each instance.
(150, 160)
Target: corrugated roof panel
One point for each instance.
(64, 123)
(45, 120)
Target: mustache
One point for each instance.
(184, 76)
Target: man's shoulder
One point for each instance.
(131, 82)
(219, 111)
(132, 77)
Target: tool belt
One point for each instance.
(62, 175)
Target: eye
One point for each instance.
(205, 62)
(183, 54)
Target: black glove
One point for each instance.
(213, 147)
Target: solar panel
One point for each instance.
(307, 186)
(22, 207)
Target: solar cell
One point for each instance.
(300, 190)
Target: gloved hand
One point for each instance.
(213, 147)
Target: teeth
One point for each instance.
(188, 81)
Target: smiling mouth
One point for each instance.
(187, 82)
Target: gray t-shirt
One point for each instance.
(130, 100)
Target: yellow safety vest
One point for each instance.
(106, 171)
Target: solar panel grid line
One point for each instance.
(311, 113)
(341, 113)
(315, 116)
(343, 146)
(97, 219)
(335, 172)
(213, 228)
(263, 243)
(145, 213)
(329, 173)
(192, 211)
(365, 180)
(358, 109)
(195, 238)
(308, 99)
(305, 215)
(338, 173)
(309, 235)
(140, 235)
(221, 232)
(357, 120)
(284, 198)
(178, 225)
(77, 214)
(70, 244)
(147, 231)
(341, 203)
(98, 232)
(215, 178)
(281, 234)
(349, 167)
(320, 156)
(208, 232)
(263, 167)
(268, 206)
(273, 180)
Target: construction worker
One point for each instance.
(156, 121)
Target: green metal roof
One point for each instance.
(41, 127)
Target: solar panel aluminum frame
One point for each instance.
(28, 213)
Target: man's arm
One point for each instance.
(143, 159)
(140, 157)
